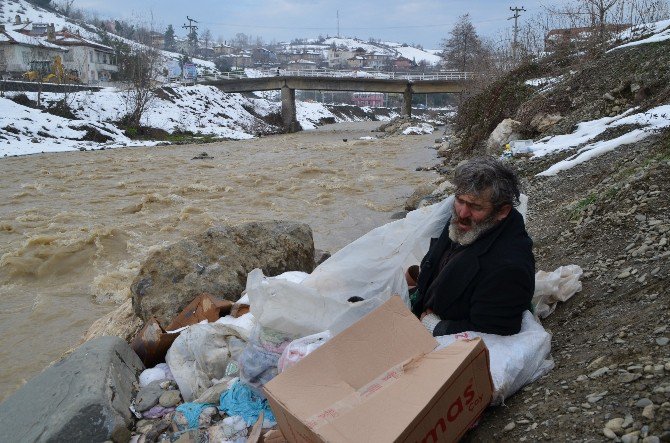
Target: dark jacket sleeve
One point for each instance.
(497, 303)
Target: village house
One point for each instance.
(222, 49)
(337, 57)
(263, 57)
(19, 52)
(402, 63)
(93, 62)
(378, 60)
(368, 99)
(157, 40)
(242, 59)
(302, 65)
(357, 62)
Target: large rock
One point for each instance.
(506, 131)
(121, 322)
(419, 194)
(217, 262)
(84, 397)
(544, 121)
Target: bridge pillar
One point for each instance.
(407, 102)
(288, 110)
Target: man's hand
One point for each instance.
(428, 311)
(430, 320)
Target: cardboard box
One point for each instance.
(380, 381)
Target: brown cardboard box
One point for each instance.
(379, 381)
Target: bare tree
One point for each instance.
(599, 10)
(207, 37)
(140, 71)
(646, 11)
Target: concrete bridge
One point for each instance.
(288, 82)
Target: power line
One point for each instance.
(361, 28)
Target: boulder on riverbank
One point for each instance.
(84, 397)
(217, 262)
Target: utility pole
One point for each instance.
(516, 27)
(193, 37)
(338, 23)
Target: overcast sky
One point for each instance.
(425, 22)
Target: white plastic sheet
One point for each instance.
(552, 287)
(516, 360)
(372, 267)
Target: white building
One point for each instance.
(301, 65)
(18, 50)
(93, 62)
(337, 58)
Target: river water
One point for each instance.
(75, 226)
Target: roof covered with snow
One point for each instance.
(17, 38)
(69, 39)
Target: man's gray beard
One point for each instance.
(476, 229)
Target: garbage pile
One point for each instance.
(208, 370)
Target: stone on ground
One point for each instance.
(84, 397)
(217, 262)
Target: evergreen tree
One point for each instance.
(170, 44)
(463, 50)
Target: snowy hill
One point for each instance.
(387, 48)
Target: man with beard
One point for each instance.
(479, 275)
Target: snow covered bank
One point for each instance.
(197, 109)
(642, 125)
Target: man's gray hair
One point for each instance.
(481, 174)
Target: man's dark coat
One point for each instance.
(486, 287)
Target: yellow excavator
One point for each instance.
(48, 71)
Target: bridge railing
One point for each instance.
(444, 75)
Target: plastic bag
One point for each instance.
(160, 372)
(199, 355)
(242, 325)
(258, 361)
(516, 360)
(552, 287)
(300, 348)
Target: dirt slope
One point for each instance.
(611, 216)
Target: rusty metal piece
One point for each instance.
(152, 342)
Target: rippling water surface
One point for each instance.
(74, 227)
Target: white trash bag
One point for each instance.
(201, 354)
(552, 287)
(516, 360)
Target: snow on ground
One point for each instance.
(309, 114)
(422, 128)
(353, 43)
(29, 12)
(417, 55)
(26, 130)
(654, 32)
(197, 109)
(646, 123)
(544, 82)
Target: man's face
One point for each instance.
(473, 215)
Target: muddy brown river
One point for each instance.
(75, 226)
